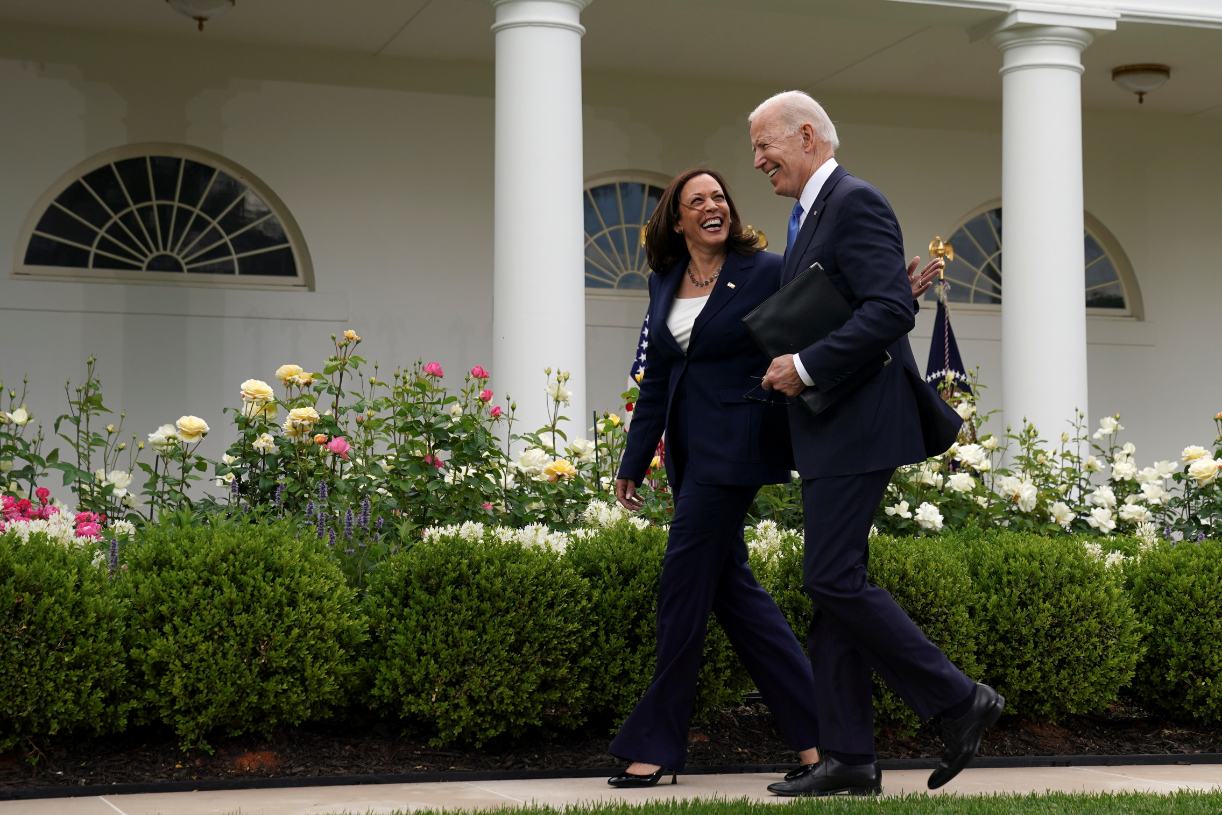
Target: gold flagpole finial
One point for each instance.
(939, 248)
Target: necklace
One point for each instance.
(707, 282)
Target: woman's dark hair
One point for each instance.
(664, 247)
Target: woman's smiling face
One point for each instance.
(704, 215)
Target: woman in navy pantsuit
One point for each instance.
(724, 441)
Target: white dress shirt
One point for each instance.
(810, 193)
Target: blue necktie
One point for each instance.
(795, 222)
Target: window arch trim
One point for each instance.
(1135, 308)
(303, 281)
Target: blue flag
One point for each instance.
(944, 359)
(638, 362)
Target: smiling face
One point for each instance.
(788, 159)
(704, 214)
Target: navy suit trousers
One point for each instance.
(857, 626)
(705, 570)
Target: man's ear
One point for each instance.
(808, 138)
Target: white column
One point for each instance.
(1043, 336)
(538, 313)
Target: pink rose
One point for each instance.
(88, 530)
(486, 506)
(436, 462)
(478, 372)
(433, 369)
(339, 447)
(495, 412)
(43, 494)
(485, 395)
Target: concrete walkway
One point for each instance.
(558, 792)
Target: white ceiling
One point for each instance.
(873, 46)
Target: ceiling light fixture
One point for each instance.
(201, 10)
(1141, 79)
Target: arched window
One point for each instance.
(164, 213)
(975, 274)
(617, 206)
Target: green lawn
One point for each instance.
(1185, 803)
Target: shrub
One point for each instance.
(240, 627)
(928, 578)
(473, 636)
(622, 565)
(1056, 633)
(1177, 591)
(61, 651)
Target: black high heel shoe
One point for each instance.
(633, 781)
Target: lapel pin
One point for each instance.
(731, 285)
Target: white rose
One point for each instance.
(1191, 453)
(265, 443)
(929, 475)
(163, 438)
(928, 517)
(6, 466)
(1102, 497)
(229, 460)
(559, 392)
(984, 466)
(1123, 470)
(533, 460)
(581, 449)
(991, 443)
(1027, 497)
(900, 510)
(121, 480)
(1154, 493)
(1147, 475)
(1135, 513)
(224, 480)
(965, 409)
(1204, 470)
(131, 501)
(1166, 469)
(1108, 426)
(1128, 449)
(456, 410)
(1092, 465)
(972, 455)
(19, 416)
(1101, 518)
(1061, 513)
(961, 482)
(1007, 486)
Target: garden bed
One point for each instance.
(353, 746)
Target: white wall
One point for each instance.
(387, 166)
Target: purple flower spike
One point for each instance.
(348, 520)
(331, 542)
(320, 528)
(322, 491)
(363, 521)
(114, 555)
(280, 497)
(310, 509)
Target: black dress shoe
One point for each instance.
(632, 780)
(798, 771)
(830, 777)
(961, 737)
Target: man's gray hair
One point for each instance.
(797, 108)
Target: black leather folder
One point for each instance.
(804, 311)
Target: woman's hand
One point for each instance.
(921, 282)
(625, 494)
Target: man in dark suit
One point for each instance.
(847, 454)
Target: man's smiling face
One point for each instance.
(784, 157)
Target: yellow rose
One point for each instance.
(304, 379)
(286, 372)
(656, 463)
(256, 390)
(559, 469)
(614, 420)
(1204, 470)
(300, 422)
(191, 428)
(1193, 452)
(351, 335)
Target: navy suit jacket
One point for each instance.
(853, 233)
(731, 440)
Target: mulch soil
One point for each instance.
(355, 746)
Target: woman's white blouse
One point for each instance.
(683, 316)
